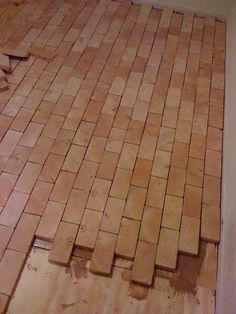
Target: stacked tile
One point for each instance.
(111, 141)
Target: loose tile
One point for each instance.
(189, 235)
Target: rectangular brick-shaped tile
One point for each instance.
(172, 212)
(63, 187)
(5, 235)
(13, 209)
(31, 134)
(166, 139)
(150, 226)
(115, 140)
(161, 164)
(62, 142)
(9, 143)
(28, 177)
(63, 243)
(189, 235)
(142, 172)
(211, 190)
(50, 220)
(176, 181)
(180, 155)
(96, 148)
(121, 183)
(10, 269)
(195, 172)
(41, 150)
(99, 194)
(18, 160)
(156, 192)
(213, 163)
(167, 249)
(135, 203)
(7, 182)
(4, 300)
(128, 156)
(86, 175)
(192, 201)
(89, 229)
(127, 238)
(23, 235)
(84, 133)
(103, 254)
(51, 168)
(74, 158)
(112, 215)
(197, 147)
(210, 223)
(75, 206)
(143, 268)
(134, 132)
(107, 166)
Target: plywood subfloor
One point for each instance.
(114, 145)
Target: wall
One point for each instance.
(218, 8)
(226, 290)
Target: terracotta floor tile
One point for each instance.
(5, 123)
(167, 250)
(104, 125)
(23, 235)
(176, 181)
(134, 132)
(172, 212)
(22, 120)
(28, 177)
(96, 148)
(147, 147)
(107, 167)
(63, 243)
(9, 142)
(197, 147)
(189, 235)
(102, 258)
(38, 198)
(89, 229)
(192, 201)
(195, 172)
(121, 183)
(213, 163)
(53, 126)
(10, 269)
(63, 187)
(211, 190)
(51, 168)
(143, 269)
(5, 235)
(18, 159)
(214, 139)
(7, 182)
(62, 143)
(128, 156)
(150, 225)
(156, 192)
(183, 131)
(166, 139)
(75, 206)
(180, 155)
(210, 224)
(86, 175)
(41, 150)
(161, 164)
(99, 194)
(63, 105)
(50, 221)
(84, 133)
(142, 172)
(115, 140)
(74, 158)
(31, 134)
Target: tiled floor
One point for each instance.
(115, 144)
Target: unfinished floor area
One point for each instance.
(111, 142)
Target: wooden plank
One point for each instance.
(143, 268)
(63, 243)
(103, 254)
(5, 63)
(167, 249)
(17, 52)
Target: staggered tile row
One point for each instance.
(114, 145)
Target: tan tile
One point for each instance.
(103, 254)
(176, 181)
(180, 155)
(115, 140)
(31, 134)
(172, 212)
(214, 139)
(63, 243)
(10, 269)
(156, 192)
(62, 143)
(183, 131)
(189, 235)
(99, 194)
(134, 132)
(38, 198)
(62, 187)
(74, 158)
(108, 165)
(84, 133)
(104, 125)
(195, 172)
(147, 147)
(167, 249)
(89, 229)
(192, 201)
(213, 163)
(142, 172)
(112, 215)
(211, 190)
(9, 143)
(197, 147)
(51, 168)
(7, 182)
(210, 224)
(50, 220)
(135, 203)
(127, 238)
(86, 175)
(200, 124)
(161, 164)
(166, 139)
(41, 150)
(23, 235)
(143, 269)
(121, 183)
(128, 156)
(150, 225)
(28, 177)
(5, 235)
